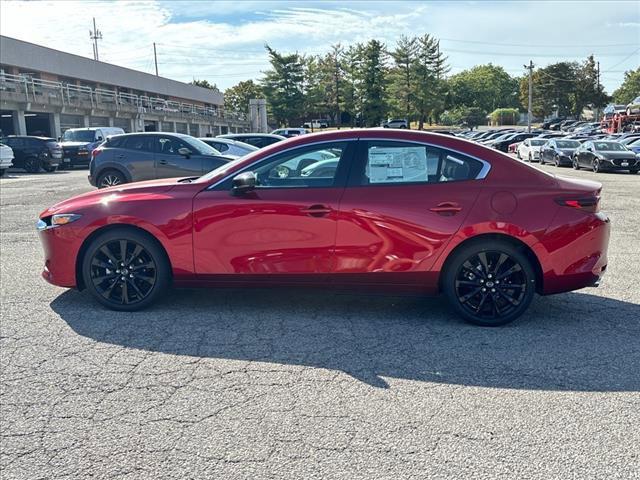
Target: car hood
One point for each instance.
(617, 155)
(105, 196)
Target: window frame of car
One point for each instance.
(359, 162)
(339, 180)
(129, 138)
(157, 143)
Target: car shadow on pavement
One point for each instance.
(569, 342)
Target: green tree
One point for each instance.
(205, 84)
(553, 89)
(431, 86)
(371, 83)
(629, 89)
(402, 78)
(283, 86)
(236, 98)
(463, 115)
(484, 86)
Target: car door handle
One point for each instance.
(120, 156)
(163, 162)
(317, 211)
(446, 208)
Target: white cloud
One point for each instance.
(224, 41)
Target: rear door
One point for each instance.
(402, 205)
(135, 153)
(170, 163)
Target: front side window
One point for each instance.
(315, 166)
(397, 163)
(169, 145)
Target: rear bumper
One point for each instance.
(576, 255)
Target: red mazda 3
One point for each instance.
(384, 210)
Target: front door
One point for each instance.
(286, 225)
(402, 205)
(171, 163)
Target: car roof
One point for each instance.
(238, 135)
(29, 136)
(229, 141)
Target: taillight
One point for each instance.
(589, 203)
(95, 152)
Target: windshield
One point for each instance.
(537, 143)
(78, 136)
(567, 144)
(199, 146)
(609, 147)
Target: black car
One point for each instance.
(558, 151)
(503, 144)
(34, 153)
(554, 121)
(602, 155)
(133, 157)
(259, 140)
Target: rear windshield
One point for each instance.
(567, 144)
(537, 143)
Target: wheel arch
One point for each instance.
(500, 238)
(114, 166)
(99, 231)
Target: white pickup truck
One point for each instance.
(6, 158)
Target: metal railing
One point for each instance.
(46, 91)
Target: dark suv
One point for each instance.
(133, 157)
(34, 153)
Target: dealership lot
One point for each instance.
(310, 384)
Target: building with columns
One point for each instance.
(45, 92)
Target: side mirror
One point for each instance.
(243, 183)
(59, 139)
(185, 152)
(99, 139)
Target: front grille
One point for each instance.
(630, 161)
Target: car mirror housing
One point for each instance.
(243, 183)
(185, 152)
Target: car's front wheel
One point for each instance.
(489, 283)
(595, 165)
(575, 164)
(125, 269)
(32, 164)
(111, 178)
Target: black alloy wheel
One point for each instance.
(125, 270)
(110, 178)
(490, 284)
(32, 164)
(595, 165)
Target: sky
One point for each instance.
(223, 41)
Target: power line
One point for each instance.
(623, 60)
(477, 42)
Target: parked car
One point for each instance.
(529, 149)
(226, 146)
(290, 132)
(396, 123)
(259, 140)
(402, 211)
(632, 144)
(603, 156)
(503, 144)
(633, 108)
(6, 158)
(554, 121)
(133, 157)
(78, 143)
(558, 151)
(566, 124)
(34, 153)
(318, 123)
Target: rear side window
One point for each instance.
(387, 163)
(139, 143)
(221, 147)
(116, 142)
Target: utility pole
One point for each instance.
(530, 68)
(155, 57)
(95, 35)
(598, 92)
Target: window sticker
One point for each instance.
(397, 164)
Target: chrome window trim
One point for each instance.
(484, 171)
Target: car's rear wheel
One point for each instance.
(111, 178)
(49, 169)
(32, 164)
(125, 270)
(489, 283)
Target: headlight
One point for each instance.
(57, 220)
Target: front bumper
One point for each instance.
(61, 246)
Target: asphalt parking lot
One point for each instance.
(278, 384)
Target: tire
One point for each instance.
(518, 156)
(2, 172)
(556, 161)
(110, 178)
(530, 158)
(32, 164)
(471, 278)
(633, 171)
(575, 164)
(595, 166)
(147, 272)
(49, 169)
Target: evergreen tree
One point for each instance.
(283, 86)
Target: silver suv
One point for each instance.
(396, 123)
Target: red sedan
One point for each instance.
(391, 211)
